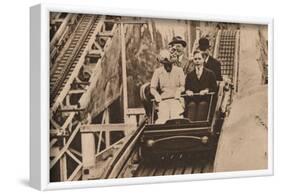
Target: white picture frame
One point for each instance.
(39, 106)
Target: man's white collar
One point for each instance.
(206, 60)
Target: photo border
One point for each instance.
(39, 102)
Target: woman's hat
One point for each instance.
(164, 56)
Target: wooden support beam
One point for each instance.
(105, 34)
(76, 174)
(94, 52)
(79, 91)
(124, 71)
(92, 128)
(216, 48)
(107, 139)
(75, 152)
(72, 110)
(189, 41)
(53, 142)
(54, 150)
(54, 123)
(67, 100)
(107, 132)
(111, 147)
(88, 154)
(98, 46)
(139, 21)
(73, 157)
(65, 147)
(63, 168)
(110, 21)
(136, 111)
(99, 141)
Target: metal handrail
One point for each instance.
(211, 94)
(185, 95)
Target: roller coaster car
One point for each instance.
(182, 135)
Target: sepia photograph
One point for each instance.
(144, 97)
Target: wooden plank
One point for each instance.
(160, 171)
(124, 71)
(53, 142)
(135, 111)
(100, 139)
(77, 176)
(152, 171)
(73, 157)
(91, 128)
(75, 152)
(147, 171)
(129, 21)
(139, 171)
(116, 145)
(161, 168)
(77, 91)
(107, 139)
(169, 170)
(179, 169)
(208, 168)
(180, 166)
(171, 164)
(107, 132)
(88, 150)
(63, 168)
(216, 48)
(197, 168)
(187, 169)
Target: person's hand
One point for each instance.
(158, 98)
(189, 92)
(204, 92)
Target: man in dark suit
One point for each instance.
(200, 81)
(210, 62)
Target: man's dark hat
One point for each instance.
(204, 44)
(178, 40)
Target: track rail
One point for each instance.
(63, 68)
(226, 52)
(62, 35)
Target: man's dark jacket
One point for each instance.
(207, 80)
(214, 65)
